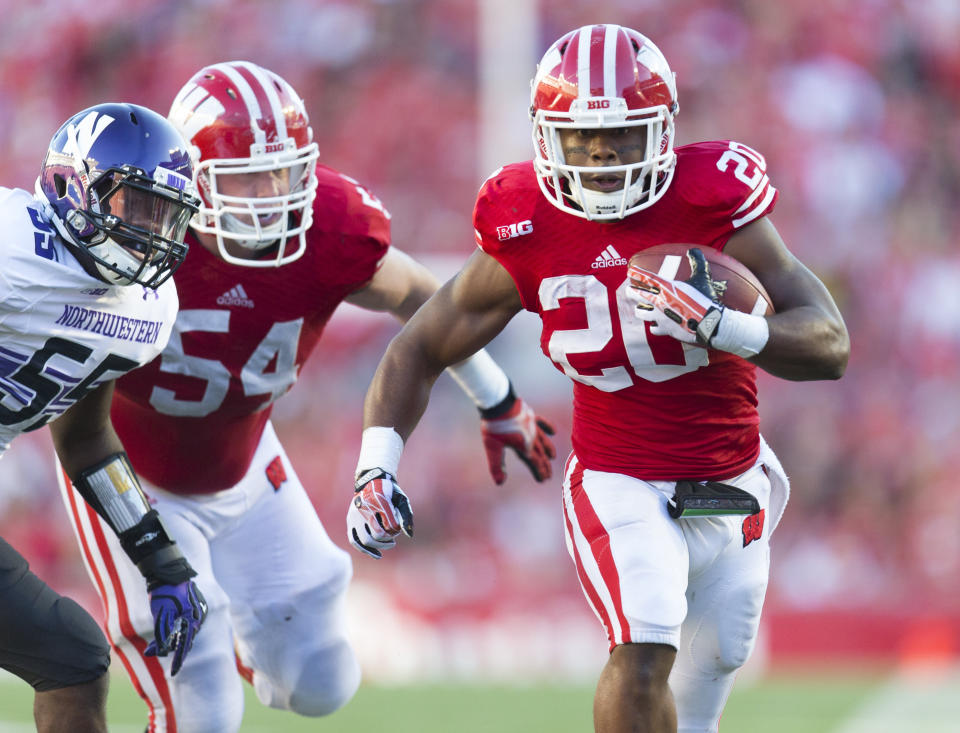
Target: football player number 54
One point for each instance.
(277, 351)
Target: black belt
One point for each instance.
(710, 499)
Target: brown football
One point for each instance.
(737, 287)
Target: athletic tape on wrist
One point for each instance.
(482, 379)
(380, 448)
(743, 334)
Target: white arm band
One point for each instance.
(482, 379)
(743, 334)
(380, 448)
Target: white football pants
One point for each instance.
(275, 585)
(696, 584)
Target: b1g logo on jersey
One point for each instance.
(510, 231)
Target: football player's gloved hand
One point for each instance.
(178, 612)
(688, 310)
(513, 424)
(378, 513)
(177, 605)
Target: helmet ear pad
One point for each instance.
(637, 89)
(133, 154)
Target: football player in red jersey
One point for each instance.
(278, 243)
(670, 494)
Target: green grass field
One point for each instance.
(819, 702)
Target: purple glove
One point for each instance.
(178, 612)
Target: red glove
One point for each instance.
(513, 424)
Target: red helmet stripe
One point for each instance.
(262, 84)
(247, 96)
(254, 97)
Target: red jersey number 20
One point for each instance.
(640, 354)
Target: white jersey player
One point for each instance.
(85, 297)
(63, 333)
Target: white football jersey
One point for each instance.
(63, 332)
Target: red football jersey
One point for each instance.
(643, 405)
(191, 419)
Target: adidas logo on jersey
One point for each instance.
(608, 258)
(235, 296)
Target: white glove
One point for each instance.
(379, 511)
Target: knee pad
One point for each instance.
(738, 627)
(725, 637)
(46, 639)
(300, 655)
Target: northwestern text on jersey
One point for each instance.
(110, 324)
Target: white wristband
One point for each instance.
(482, 379)
(743, 334)
(380, 448)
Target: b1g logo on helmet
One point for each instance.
(598, 104)
(509, 231)
(281, 146)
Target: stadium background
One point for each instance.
(856, 106)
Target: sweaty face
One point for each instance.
(600, 148)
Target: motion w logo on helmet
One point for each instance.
(269, 127)
(82, 136)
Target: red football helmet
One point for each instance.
(240, 118)
(603, 76)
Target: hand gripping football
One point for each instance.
(735, 285)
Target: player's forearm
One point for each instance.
(400, 390)
(77, 454)
(805, 344)
(83, 435)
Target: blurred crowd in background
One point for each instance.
(854, 103)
